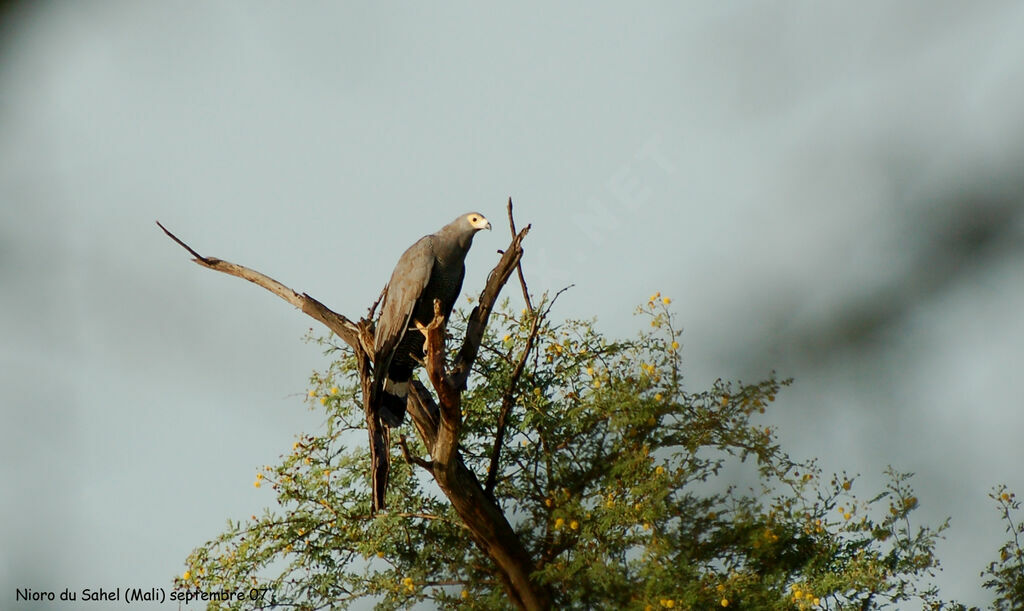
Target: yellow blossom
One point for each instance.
(590, 371)
(655, 296)
(725, 602)
(659, 469)
(524, 443)
(574, 525)
(536, 391)
(256, 483)
(312, 393)
(817, 601)
(307, 460)
(505, 339)
(548, 502)
(295, 446)
(675, 345)
(259, 476)
(327, 473)
(668, 603)
(666, 300)
(465, 594)
(186, 575)
(323, 400)
(559, 523)
(658, 397)
(647, 526)
(846, 485)
(408, 583)
(334, 390)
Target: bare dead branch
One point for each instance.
(409, 458)
(373, 308)
(507, 400)
(344, 328)
(519, 266)
(477, 321)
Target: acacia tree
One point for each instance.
(561, 468)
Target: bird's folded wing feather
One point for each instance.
(411, 275)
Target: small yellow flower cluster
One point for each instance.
(804, 598)
(659, 470)
(334, 390)
(667, 603)
(559, 523)
(259, 480)
(409, 585)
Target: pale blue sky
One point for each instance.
(797, 178)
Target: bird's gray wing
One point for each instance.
(411, 275)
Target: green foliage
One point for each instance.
(1006, 575)
(613, 474)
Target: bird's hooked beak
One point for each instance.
(488, 226)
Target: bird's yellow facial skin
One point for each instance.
(477, 221)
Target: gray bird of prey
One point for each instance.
(432, 268)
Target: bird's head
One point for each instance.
(477, 221)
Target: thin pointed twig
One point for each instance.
(384, 291)
(507, 400)
(519, 266)
(182, 244)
